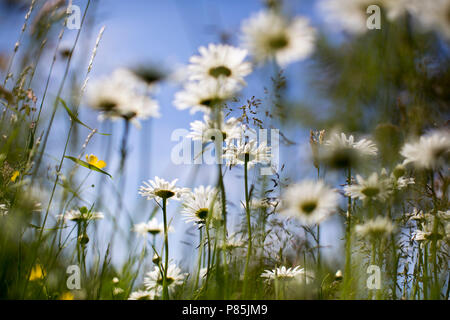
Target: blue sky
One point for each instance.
(164, 33)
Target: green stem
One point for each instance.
(123, 148)
(208, 264)
(219, 146)
(19, 41)
(249, 226)
(60, 89)
(425, 272)
(448, 288)
(417, 273)
(318, 233)
(141, 260)
(435, 289)
(199, 260)
(395, 259)
(348, 254)
(318, 248)
(373, 261)
(166, 246)
(225, 232)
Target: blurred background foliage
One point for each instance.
(391, 82)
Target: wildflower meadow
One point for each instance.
(224, 150)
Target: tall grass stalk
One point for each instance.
(249, 225)
(166, 247)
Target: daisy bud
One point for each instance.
(399, 171)
(83, 239)
(338, 275)
(156, 259)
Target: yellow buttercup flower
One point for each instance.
(93, 160)
(15, 175)
(66, 296)
(37, 273)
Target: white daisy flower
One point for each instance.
(341, 151)
(396, 180)
(200, 204)
(262, 203)
(204, 95)
(349, 15)
(269, 35)
(233, 242)
(432, 15)
(340, 141)
(402, 182)
(80, 215)
(203, 272)
(431, 151)
(235, 154)
(159, 189)
(444, 215)
(142, 295)
(417, 215)
(151, 75)
(426, 235)
(309, 201)
(154, 280)
(207, 130)
(420, 235)
(284, 273)
(144, 228)
(151, 227)
(220, 61)
(378, 227)
(3, 210)
(122, 95)
(338, 275)
(374, 187)
(396, 8)
(117, 291)
(427, 231)
(281, 273)
(364, 146)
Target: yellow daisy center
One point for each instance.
(220, 71)
(370, 191)
(309, 206)
(278, 42)
(165, 194)
(202, 213)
